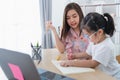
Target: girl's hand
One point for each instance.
(65, 63)
(49, 26)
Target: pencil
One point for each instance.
(58, 57)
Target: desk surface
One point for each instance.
(49, 54)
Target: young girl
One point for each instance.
(97, 27)
(71, 39)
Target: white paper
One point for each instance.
(2, 75)
(71, 70)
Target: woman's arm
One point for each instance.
(82, 55)
(60, 46)
(79, 55)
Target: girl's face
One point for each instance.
(92, 36)
(96, 36)
(72, 18)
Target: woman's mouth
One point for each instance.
(74, 24)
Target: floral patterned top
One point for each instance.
(75, 43)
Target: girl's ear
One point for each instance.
(100, 31)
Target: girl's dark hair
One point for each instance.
(94, 21)
(66, 27)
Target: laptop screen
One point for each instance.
(18, 66)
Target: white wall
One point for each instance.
(57, 13)
(19, 24)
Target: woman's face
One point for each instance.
(72, 18)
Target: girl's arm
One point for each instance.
(60, 46)
(80, 63)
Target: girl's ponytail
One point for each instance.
(110, 27)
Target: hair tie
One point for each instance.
(106, 18)
(102, 27)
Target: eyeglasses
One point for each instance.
(89, 37)
(92, 35)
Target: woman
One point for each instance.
(71, 40)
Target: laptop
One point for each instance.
(18, 66)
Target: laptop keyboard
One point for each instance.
(47, 75)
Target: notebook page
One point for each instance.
(71, 70)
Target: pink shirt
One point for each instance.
(75, 43)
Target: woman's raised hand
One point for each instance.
(49, 26)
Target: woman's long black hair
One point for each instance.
(66, 27)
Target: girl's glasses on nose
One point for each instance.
(92, 35)
(89, 37)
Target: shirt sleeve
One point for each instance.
(89, 49)
(103, 55)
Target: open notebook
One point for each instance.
(71, 70)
